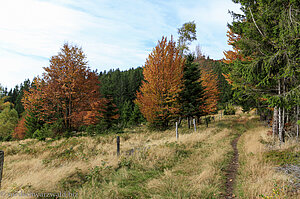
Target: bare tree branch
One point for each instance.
(255, 23)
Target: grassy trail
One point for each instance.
(232, 170)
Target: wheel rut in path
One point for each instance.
(231, 170)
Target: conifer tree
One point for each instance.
(109, 113)
(32, 123)
(191, 98)
(126, 113)
(121, 86)
(136, 116)
(270, 37)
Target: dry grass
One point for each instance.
(258, 178)
(160, 167)
(188, 168)
(198, 176)
(40, 166)
(37, 166)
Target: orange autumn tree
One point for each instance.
(234, 54)
(163, 72)
(20, 130)
(210, 83)
(68, 91)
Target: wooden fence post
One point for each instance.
(194, 121)
(118, 145)
(1, 165)
(177, 136)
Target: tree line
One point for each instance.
(174, 84)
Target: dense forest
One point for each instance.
(175, 83)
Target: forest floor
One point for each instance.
(233, 158)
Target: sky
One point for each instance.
(112, 33)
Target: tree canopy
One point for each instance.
(187, 34)
(163, 73)
(269, 36)
(68, 90)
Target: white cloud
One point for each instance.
(32, 32)
(113, 34)
(14, 66)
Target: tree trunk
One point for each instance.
(206, 121)
(280, 125)
(275, 122)
(279, 116)
(283, 131)
(283, 113)
(179, 121)
(188, 121)
(70, 112)
(297, 118)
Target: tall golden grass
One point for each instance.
(196, 163)
(257, 177)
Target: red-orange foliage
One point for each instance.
(230, 55)
(227, 78)
(20, 130)
(210, 82)
(234, 54)
(163, 72)
(67, 90)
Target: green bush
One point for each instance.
(229, 110)
(38, 135)
(58, 127)
(8, 121)
(43, 133)
(6, 138)
(96, 129)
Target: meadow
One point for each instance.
(153, 164)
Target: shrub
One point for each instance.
(58, 127)
(38, 135)
(229, 110)
(44, 132)
(8, 121)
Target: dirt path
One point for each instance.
(232, 170)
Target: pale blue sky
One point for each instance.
(112, 33)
